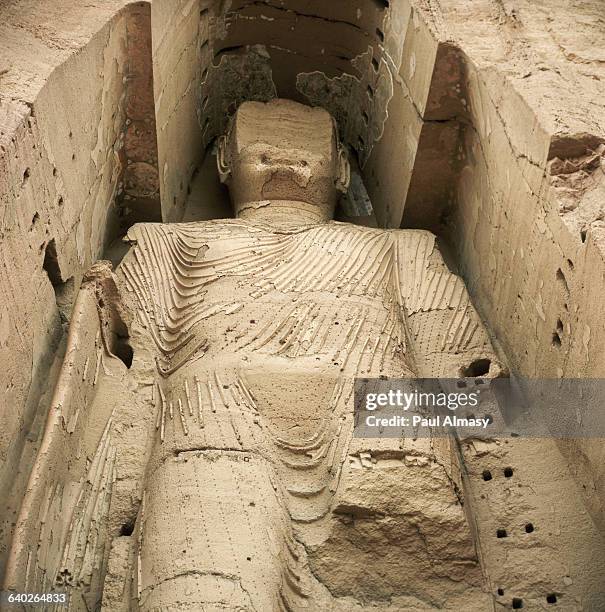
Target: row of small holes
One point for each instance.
(551, 598)
(518, 602)
(502, 533)
(508, 473)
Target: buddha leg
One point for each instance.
(215, 535)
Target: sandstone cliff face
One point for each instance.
(79, 161)
(62, 120)
(485, 124)
(526, 218)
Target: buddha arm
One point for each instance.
(61, 530)
(447, 336)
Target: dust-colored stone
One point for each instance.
(482, 122)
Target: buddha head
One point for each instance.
(282, 160)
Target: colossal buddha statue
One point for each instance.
(249, 491)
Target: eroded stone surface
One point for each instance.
(490, 132)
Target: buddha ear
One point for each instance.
(222, 159)
(343, 169)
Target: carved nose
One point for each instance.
(295, 175)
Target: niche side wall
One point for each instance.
(513, 179)
(537, 272)
(62, 164)
(180, 42)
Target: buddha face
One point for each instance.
(281, 153)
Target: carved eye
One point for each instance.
(304, 163)
(264, 159)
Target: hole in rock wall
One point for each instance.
(116, 332)
(479, 367)
(127, 529)
(64, 290)
(51, 263)
(562, 280)
(551, 599)
(123, 351)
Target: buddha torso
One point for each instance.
(258, 335)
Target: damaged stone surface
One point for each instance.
(139, 189)
(359, 104)
(236, 78)
(484, 124)
(62, 120)
(525, 213)
(250, 370)
(180, 54)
